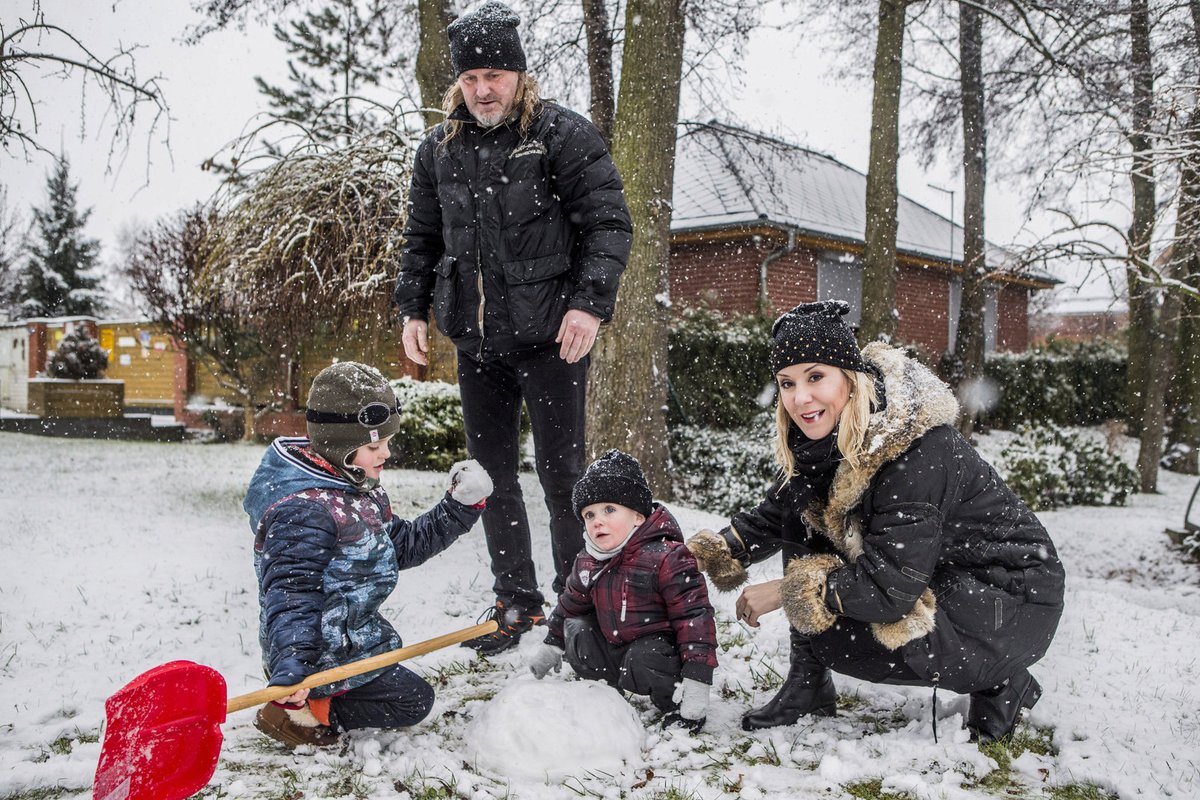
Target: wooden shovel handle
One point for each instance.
(257, 698)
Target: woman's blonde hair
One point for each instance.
(527, 104)
(851, 427)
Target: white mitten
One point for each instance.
(547, 657)
(469, 483)
(692, 696)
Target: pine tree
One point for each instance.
(338, 52)
(57, 279)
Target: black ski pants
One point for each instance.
(553, 391)
(646, 666)
(398, 698)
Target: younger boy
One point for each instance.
(327, 551)
(635, 611)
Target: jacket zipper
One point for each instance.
(479, 255)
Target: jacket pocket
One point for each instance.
(538, 292)
(447, 298)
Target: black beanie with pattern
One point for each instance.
(350, 405)
(486, 38)
(815, 333)
(614, 477)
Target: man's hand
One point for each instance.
(758, 599)
(577, 334)
(416, 341)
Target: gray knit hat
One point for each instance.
(350, 405)
(486, 38)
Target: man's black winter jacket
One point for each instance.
(505, 233)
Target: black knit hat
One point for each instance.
(815, 333)
(614, 477)
(350, 405)
(486, 38)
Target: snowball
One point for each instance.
(549, 730)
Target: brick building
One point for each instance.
(761, 224)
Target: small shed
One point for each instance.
(14, 366)
(143, 355)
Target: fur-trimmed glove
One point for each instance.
(469, 483)
(714, 559)
(802, 591)
(692, 696)
(547, 657)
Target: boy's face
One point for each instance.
(370, 457)
(609, 524)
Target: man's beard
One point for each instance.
(490, 120)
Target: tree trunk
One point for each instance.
(1142, 311)
(1185, 427)
(879, 255)
(434, 76)
(600, 68)
(628, 395)
(969, 342)
(434, 71)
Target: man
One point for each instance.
(517, 235)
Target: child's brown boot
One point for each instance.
(294, 727)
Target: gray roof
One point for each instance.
(729, 177)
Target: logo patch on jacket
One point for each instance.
(585, 576)
(534, 148)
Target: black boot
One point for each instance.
(807, 689)
(994, 712)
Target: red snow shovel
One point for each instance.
(162, 733)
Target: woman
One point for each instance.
(907, 558)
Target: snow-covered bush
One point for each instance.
(723, 471)
(719, 368)
(1049, 467)
(431, 425)
(78, 357)
(1060, 383)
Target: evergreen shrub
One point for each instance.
(724, 471)
(431, 435)
(1061, 383)
(719, 368)
(1049, 467)
(78, 357)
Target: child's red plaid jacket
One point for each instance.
(651, 586)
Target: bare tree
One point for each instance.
(632, 353)
(167, 263)
(879, 253)
(1185, 251)
(12, 246)
(600, 66)
(32, 45)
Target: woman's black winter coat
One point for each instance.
(509, 232)
(933, 551)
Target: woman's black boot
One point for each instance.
(807, 689)
(994, 713)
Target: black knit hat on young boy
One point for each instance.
(486, 38)
(349, 405)
(815, 333)
(614, 477)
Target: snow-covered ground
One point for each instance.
(121, 556)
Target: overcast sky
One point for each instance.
(212, 95)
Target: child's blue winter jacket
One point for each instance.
(327, 556)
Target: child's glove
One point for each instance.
(469, 483)
(692, 696)
(547, 657)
